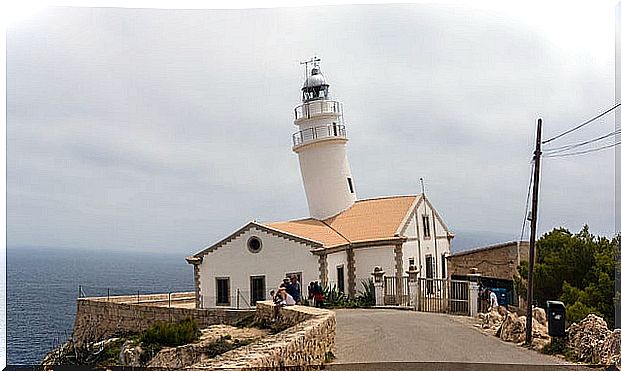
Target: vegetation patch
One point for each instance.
(577, 269)
(171, 334)
(559, 346)
(334, 298)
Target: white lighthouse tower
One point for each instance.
(321, 145)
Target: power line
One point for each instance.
(530, 185)
(582, 125)
(576, 145)
(583, 152)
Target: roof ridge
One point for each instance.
(337, 232)
(387, 197)
(292, 220)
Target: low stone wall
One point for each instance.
(97, 318)
(305, 344)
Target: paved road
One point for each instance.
(384, 335)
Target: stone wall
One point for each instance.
(98, 319)
(498, 261)
(305, 344)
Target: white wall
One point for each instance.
(277, 257)
(410, 250)
(370, 257)
(325, 169)
(436, 245)
(334, 260)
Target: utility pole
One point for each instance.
(533, 235)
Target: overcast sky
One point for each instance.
(168, 129)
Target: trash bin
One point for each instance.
(501, 295)
(556, 318)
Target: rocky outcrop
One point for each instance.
(492, 319)
(304, 345)
(540, 316)
(511, 327)
(185, 355)
(586, 338)
(610, 352)
(131, 354)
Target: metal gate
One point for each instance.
(396, 291)
(443, 295)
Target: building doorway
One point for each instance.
(429, 274)
(340, 278)
(257, 289)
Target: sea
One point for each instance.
(43, 284)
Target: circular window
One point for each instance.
(254, 244)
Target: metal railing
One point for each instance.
(136, 296)
(319, 132)
(443, 295)
(316, 108)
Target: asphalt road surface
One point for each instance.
(385, 335)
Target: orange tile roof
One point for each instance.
(367, 220)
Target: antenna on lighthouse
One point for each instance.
(314, 60)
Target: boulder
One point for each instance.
(491, 320)
(130, 354)
(586, 338)
(540, 316)
(610, 352)
(513, 328)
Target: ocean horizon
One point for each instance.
(43, 283)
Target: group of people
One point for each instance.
(315, 294)
(290, 293)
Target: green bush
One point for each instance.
(577, 269)
(559, 346)
(337, 299)
(171, 334)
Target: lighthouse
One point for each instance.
(321, 145)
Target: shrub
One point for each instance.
(171, 334)
(559, 346)
(337, 299)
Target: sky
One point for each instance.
(164, 129)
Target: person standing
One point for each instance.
(311, 293)
(318, 295)
(493, 299)
(296, 288)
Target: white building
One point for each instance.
(342, 240)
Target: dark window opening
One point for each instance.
(223, 290)
(426, 229)
(257, 289)
(351, 185)
(443, 265)
(429, 273)
(254, 244)
(340, 278)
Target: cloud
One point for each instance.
(167, 129)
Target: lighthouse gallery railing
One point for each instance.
(315, 108)
(319, 132)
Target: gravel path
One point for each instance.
(381, 335)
